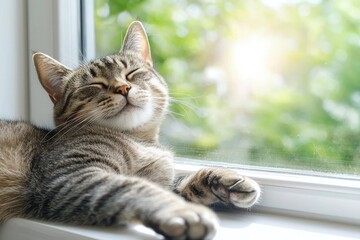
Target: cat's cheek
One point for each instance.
(138, 97)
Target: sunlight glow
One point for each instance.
(254, 61)
(252, 55)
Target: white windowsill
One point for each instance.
(301, 198)
(233, 226)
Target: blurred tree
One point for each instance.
(271, 83)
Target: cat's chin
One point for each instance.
(129, 117)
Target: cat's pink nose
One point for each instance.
(123, 90)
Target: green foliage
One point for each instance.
(308, 119)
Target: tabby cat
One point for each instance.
(103, 164)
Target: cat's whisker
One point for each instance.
(83, 122)
(187, 97)
(189, 105)
(72, 124)
(174, 113)
(171, 98)
(76, 113)
(67, 122)
(190, 97)
(74, 116)
(179, 91)
(168, 111)
(91, 119)
(182, 103)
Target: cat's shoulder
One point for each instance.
(15, 133)
(19, 123)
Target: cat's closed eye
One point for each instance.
(99, 84)
(130, 74)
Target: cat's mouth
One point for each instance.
(129, 115)
(127, 108)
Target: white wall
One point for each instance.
(49, 26)
(14, 101)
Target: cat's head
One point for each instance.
(121, 91)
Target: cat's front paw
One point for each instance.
(231, 188)
(186, 222)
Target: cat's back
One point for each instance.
(19, 141)
(18, 129)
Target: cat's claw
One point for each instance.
(190, 222)
(231, 188)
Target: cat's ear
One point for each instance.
(136, 41)
(51, 74)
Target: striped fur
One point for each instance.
(102, 164)
(19, 142)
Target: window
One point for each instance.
(270, 87)
(262, 83)
(197, 84)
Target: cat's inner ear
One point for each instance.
(51, 74)
(136, 41)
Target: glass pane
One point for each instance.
(271, 83)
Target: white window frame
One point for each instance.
(334, 198)
(53, 28)
(302, 195)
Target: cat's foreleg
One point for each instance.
(218, 185)
(108, 199)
